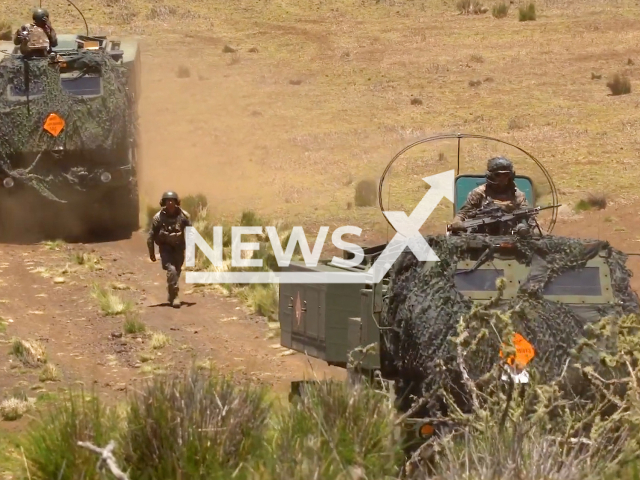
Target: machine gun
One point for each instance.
(491, 218)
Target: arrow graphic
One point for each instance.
(408, 228)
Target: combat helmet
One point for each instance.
(169, 195)
(39, 14)
(499, 165)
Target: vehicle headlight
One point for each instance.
(105, 177)
(8, 182)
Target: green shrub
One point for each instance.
(366, 193)
(50, 445)
(619, 85)
(334, 431)
(6, 32)
(527, 13)
(195, 425)
(500, 11)
(194, 204)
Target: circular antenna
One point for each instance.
(467, 155)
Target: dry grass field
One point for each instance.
(284, 108)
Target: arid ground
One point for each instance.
(282, 108)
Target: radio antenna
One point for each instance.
(83, 19)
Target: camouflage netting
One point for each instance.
(425, 314)
(97, 127)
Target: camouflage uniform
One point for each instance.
(478, 197)
(167, 231)
(33, 41)
(508, 199)
(41, 24)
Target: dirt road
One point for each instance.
(88, 346)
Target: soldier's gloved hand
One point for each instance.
(456, 227)
(152, 256)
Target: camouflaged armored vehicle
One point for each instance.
(68, 138)
(550, 287)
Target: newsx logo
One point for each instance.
(408, 235)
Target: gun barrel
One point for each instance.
(549, 206)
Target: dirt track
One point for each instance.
(78, 337)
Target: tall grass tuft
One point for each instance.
(50, 444)
(335, 431)
(197, 425)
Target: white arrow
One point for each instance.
(408, 228)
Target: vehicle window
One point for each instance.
(18, 90)
(83, 85)
(479, 280)
(583, 282)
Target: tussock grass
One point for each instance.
(51, 444)
(110, 303)
(501, 10)
(334, 431)
(592, 201)
(54, 244)
(195, 205)
(366, 193)
(159, 340)
(14, 408)
(203, 424)
(89, 260)
(6, 31)
(195, 424)
(133, 324)
(145, 357)
(469, 7)
(527, 13)
(30, 352)
(49, 373)
(262, 299)
(619, 85)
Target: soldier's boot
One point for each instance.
(172, 281)
(176, 299)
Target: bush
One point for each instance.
(334, 431)
(366, 193)
(6, 33)
(51, 445)
(528, 13)
(194, 204)
(619, 85)
(500, 11)
(195, 425)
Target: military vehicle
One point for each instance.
(68, 137)
(552, 286)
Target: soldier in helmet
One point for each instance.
(500, 189)
(167, 230)
(41, 20)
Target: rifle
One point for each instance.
(506, 222)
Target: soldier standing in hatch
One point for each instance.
(500, 189)
(167, 230)
(40, 19)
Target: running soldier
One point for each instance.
(168, 232)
